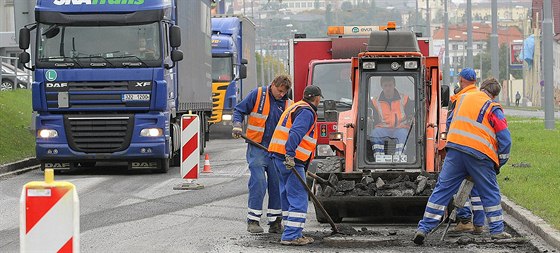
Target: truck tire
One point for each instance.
(163, 166)
(202, 133)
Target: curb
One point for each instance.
(536, 224)
(4, 168)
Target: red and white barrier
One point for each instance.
(190, 154)
(49, 216)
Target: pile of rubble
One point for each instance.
(368, 186)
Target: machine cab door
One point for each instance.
(388, 125)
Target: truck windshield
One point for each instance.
(391, 135)
(334, 81)
(222, 69)
(110, 46)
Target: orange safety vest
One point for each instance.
(256, 121)
(391, 114)
(465, 90)
(470, 126)
(306, 148)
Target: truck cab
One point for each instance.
(108, 85)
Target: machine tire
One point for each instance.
(163, 166)
(6, 85)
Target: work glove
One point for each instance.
(289, 162)
(237, 130)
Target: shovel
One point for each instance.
(302, 181)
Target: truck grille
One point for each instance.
(97, 95)
(97, 134)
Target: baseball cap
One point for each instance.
(312, 91)
(468, 74)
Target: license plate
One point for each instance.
(135, 97)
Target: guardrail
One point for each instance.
(14, 78)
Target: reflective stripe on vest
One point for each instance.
(306, 148)
(391, 114)
(256, 120)
(477, 134)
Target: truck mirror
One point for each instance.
(24, 57)
(24, 38)
(175, 36)
(444, 95)
(244, 61)
(176, 55)
(242, 71)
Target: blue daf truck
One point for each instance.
(234, 64)
(111, 83)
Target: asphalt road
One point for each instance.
(140, 212)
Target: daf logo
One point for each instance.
(57, 85)
(144, 164)
(57, 165)
(143, 84)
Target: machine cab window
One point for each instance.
(391, 116)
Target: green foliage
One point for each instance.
(274, 64)
(536, 187)
(17, 142)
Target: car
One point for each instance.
(8, 70)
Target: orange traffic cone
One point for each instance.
(206, 168)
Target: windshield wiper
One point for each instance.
(61, 61)
(95, 57)
(130, 64)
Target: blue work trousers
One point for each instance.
(263, 176)
(456, 167)
(475, 205)
(379, 135)
(294, 200)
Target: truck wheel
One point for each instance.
(202, 133)
(163, 166)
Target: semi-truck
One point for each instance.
(110, 81)
(325, 62)
(234, 65)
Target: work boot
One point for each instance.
(419, 237)
(298, 242)
(464, 226)
(254, 227)
(478, 230)
(276, 226)
(501, 235)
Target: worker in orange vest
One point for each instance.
(478, 145)
(473, 212)
(292, 146)
(392, 117)
(263, 107)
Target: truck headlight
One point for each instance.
(151, 132)
(325, 150)
(47, 133)
(226, 117)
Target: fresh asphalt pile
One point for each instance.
(370, 186)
